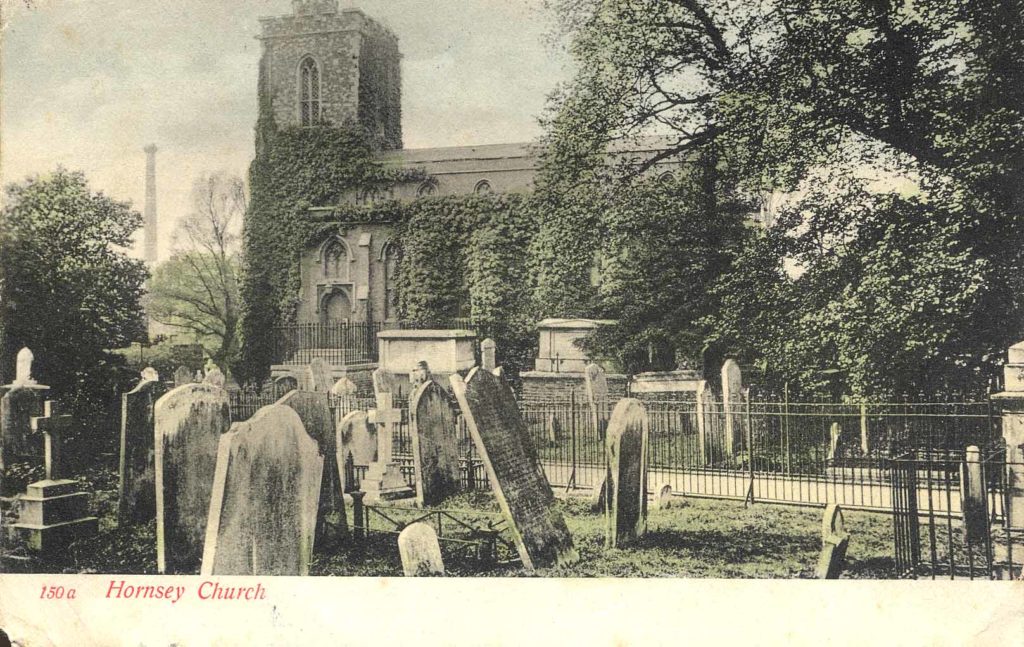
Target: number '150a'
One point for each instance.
(50, 592)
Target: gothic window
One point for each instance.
(428, 188)
(392, 256)
(309, 92)
(483, 187)
(335, 260)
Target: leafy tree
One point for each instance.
(69, 293)
(811, 96)
(197, 289)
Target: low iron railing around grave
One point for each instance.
(944, 530)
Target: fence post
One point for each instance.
(702, 431)
(750, 447)
(865, 446)
(358, 516)
(972, 489)
(572, 414)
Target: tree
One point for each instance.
(69, 293)
(197, 290)
(810, 96)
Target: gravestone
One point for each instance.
(434, 444)
(345, 388)
(183, 376)
(732, 403)
(22, 401)
(597, 398)
(285, 383)
(835, 432)
(319, 376)
(52, 513)
(975, 503)
(488, 355)
(663, 499)
(136, 485)
(384, 479)
(420, 551)
(384, 381)
(356, 438)
(214, 376)
(188, 424)
(627, 464)
(834, 540)
(315, 413)
(263, 510)
(515, 473)
(552, 429)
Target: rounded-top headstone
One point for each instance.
(420, 551)
(149, 374)
(663, 499)
(23, 368)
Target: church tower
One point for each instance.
(324, 64)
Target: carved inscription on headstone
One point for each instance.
(627, 464)
(434, 444)
(263, 510)
(515, 473)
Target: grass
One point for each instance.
(701, 538)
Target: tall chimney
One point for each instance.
(149, 217)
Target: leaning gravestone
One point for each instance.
(420, 551)
(183, 376)
(627, 465)
(315, 413)
(434, 445)
(834, 540)
(263, 510)
(189, 422)
(599, 495)
(136, 486)
(515, 473)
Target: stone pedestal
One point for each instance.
(53, 514)
(384, 482)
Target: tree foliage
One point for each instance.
(197, 290)
(69, 292)
(896, 288)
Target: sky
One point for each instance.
(88, 83)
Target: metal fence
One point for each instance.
(949, 516)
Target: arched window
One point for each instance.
(309, 92)
(335, 260)
(483, 187)
(428, 188)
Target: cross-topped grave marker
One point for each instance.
(54, 427)
(384, 478)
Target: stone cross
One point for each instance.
(54, 427)
(386, 416)
(488, 352)
(834, 540)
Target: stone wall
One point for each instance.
(547, 386)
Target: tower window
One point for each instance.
(309, 92)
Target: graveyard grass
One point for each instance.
(705, 538)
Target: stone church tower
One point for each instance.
(322, 64)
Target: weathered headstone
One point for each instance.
(835, 432)
(183, 376)
(345, 388)
(552, 429)
(136, 487)
(189, 421)
(54, 429)
(663, 499)
(263, 511)
(315, 413)
(22, 401)
(215, 377)
(975, 503)
(319, 376)
(597, 398)
(420, 551)
(732, 401)
(488, 355)
(285, 383)
(356, 438)
(834, 541)
(434, 444)
(627, 464)
(514, 471)
(599, 495)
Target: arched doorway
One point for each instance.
(336, 308)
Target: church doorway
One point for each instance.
(336, 309)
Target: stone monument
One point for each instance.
(434, 444)
(627, 465)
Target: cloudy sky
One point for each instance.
(88, 83)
